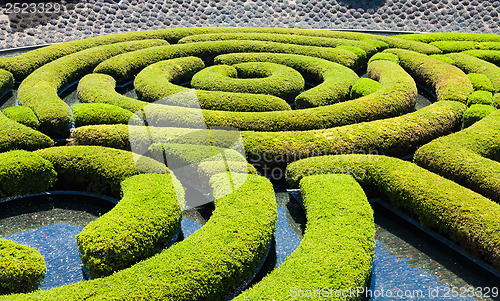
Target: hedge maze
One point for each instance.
(336, 110)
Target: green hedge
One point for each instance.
(123, 67)
(96, 169)
(476, 113)
(480, 82)
(397, 96)
(208, 265)
(449, 82)
(6, 81)
(492, 56)
(158, 81)
(469, 157)
(496, 100)
(22, 172)
(338, 245)
(333, 80)
(39, 90)
(364, 87)
(369, 46)
(142, 224)
(470, 64)
(480, 97)
(443, 58)
(252, 77)
(23, 115)
(459, 46)
(384, 57)
(22, 268)
(450, 36)
(465, 217)
(14, 135)
(100, 113)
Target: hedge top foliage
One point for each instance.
(23, 115)
(14, 135)
(450, 36)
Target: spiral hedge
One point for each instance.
(288, 94)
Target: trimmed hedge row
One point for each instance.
(100, 113)
(480, 97)
(252, 77)
(142, 224)
(465, 217)
(449, 82)
(23, 172)
(14, 135)
(470, 64)
(385, 57)
(450, 36)
(158, 81)
(459, 46)
(476, 113)
(233, 243)
(443, 58)
(22, 268)
(6, 81)
(492, 56)
(364, 87)
(480, 82)
(123, 67)
(338, 245)
(22, 115)
(469, 157)
(370, 47)
(96, 169)
(39, 90)
(397, 96)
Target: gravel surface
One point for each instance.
(80, 19)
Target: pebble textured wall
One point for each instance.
(80, 19)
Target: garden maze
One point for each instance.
(336, 110)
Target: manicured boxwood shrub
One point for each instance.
(14, 135)
(96, 169)
(443, 58)
(333, 80)
(100, 113)
(337, 249)
(476, 113)
(480, 82)
(252, 77)
(123, 67)
(449, 82)
(492, 56)
(207, 169)
(459, 46)
(470, 64)
(142, 224)
(6, 81)
(397, 96)
(208, 265)
(23, 115)
(23, 172)
(469, 157)
(158, 81)
(364, 87)
(39, 90)
(480, 97)
(22, 268)
(496, 100)
(450, 36)
(385, 57)
(464, 216)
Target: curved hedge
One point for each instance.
(480, 82)
(450, 36)
(337, 249)
(458, 46)
(96, 169)
(469, 157)
(492, 56)
(39, 90)
(100, 113)
(22, 268)
(449, 82)
(480, 97)
(333, 80)
(6, 81)
(476, 113)
(471, 64)
(158, 81)
(252, 77)
(142, 224)
(465, 217)
(363, 87)
(23, 115)
(234, 242)
(14, 135)
(18, 171)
